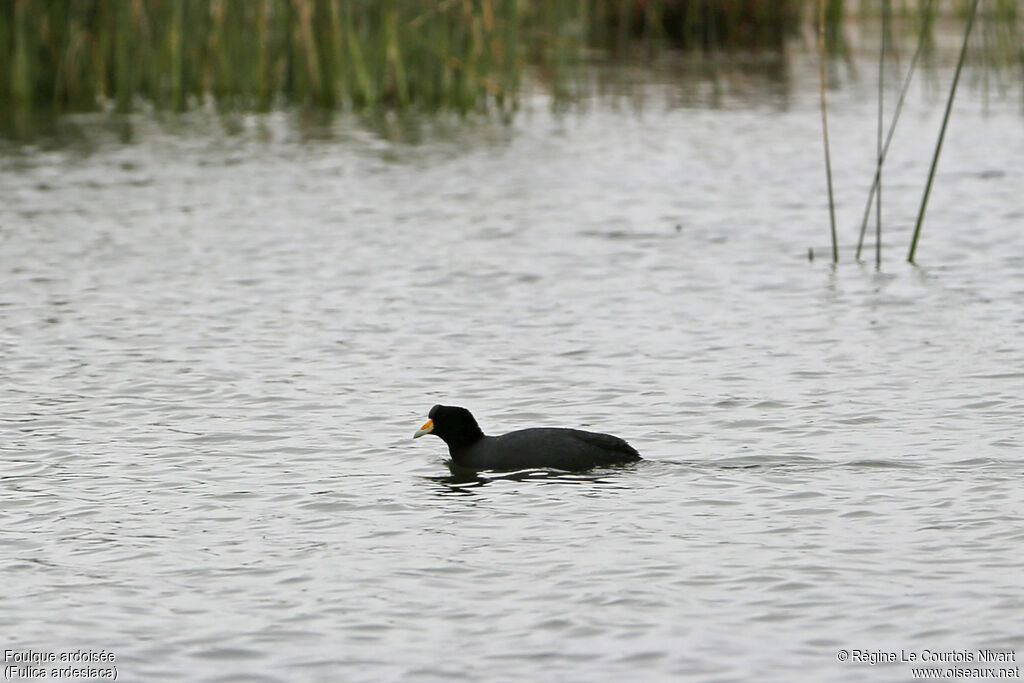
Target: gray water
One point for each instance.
(217, 343)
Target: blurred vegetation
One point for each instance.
(463, 55)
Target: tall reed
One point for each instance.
(942, 131)
(81, 54)
(918, 50)
(824, 128)
(886, 18)
(74, 55)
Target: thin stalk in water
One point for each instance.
(881, 111)
(824, 129)
(892, 127)
(942, 132)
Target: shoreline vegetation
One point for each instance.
(65, 56)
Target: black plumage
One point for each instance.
(558, 448)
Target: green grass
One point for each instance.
(76, 55)
(61, 56)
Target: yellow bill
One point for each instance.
(427, 427)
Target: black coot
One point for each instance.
(572, 450)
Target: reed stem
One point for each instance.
(886, 11)
(942, 132)
(824, 129)
(892, 125)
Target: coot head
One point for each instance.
(456, 426)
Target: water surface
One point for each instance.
(217, 344)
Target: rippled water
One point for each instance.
(216, 348)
